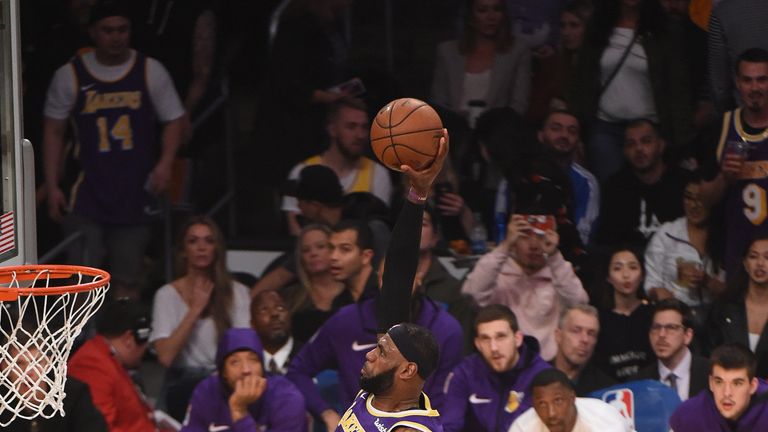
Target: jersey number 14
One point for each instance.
(121, 131)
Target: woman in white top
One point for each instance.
(485, 68)
(190, 313)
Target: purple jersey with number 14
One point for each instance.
(115, 123)
(746, 206)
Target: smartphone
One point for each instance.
(540, 223)
(353, 87)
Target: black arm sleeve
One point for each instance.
(394, 303)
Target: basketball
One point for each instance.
(406, 132)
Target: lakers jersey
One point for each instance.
(115, 126)
(363, 417)
(746, 207)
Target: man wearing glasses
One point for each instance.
(670, 335)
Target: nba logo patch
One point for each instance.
(624, 401)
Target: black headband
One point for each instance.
(405, 345)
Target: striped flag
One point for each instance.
(7, 232)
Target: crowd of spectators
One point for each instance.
(602, 212)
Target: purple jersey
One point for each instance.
(362, 416)
(115, 123)
(745, 201)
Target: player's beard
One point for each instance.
(378, 384)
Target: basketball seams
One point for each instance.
(405, 117)
(400, 147)
(392, 141)
(391, 135)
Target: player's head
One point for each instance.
(126, 325)
(239, 355)
(732, 379)
(498, 337)
(351, 249)
(576, 334)
(403, 358)
(347, 126)
(110, 29)
(671, 330)
(554, 400)
(643, 145)
(560, 132)
(271, 318)
(752, 79)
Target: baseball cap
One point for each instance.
(316, 183)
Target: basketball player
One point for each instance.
(740, 172)
(394, 372)
(114, 95)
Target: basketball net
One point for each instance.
(37, 331)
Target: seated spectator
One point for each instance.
(487, 391)
(556, 408)
(740, 314)
(527, 273)
(736, 400)
(625, 319)
(683, 258)
(576, 337)
(239, 396)
(310, 299)
(671, 334)
(271, 319)
(642, 195)
(104, 362)
(348, 127)
(484, 69)
(190, 313)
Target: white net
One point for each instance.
(37, 331)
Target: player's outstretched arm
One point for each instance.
(394, 304)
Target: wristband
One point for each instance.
(415, 197)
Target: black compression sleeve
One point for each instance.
(394, 302)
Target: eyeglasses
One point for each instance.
(656, 328)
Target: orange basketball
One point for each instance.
(406, 132)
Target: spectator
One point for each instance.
(271, 319)
(104, 362)
(527, 273)
(193, 311)
(118, 95)
(623, 347)
(644, 194)
(487, 391)
(560, 133)
(671, 334)
(631, 66)
(736, 400)
(734, 27)
(576, 337)
(740, 316)
(239, 396)
(682, 259)
(534, 23)
(348, 127)
(556, 408)
(486, 68)
(311, 298)
(733, 171)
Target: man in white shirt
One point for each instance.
(557, 409)
(671, 333)
(272, 321)
(348, 130)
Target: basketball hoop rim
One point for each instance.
(53, 271)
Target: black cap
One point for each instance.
(316, 183)
(123, 314)
(106, 8)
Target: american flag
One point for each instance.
(7, 232)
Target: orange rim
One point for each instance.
(43, 272)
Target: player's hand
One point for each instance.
(421, 181)
(517, 227)
(450, 204)
(331, 419)
(159, 178)
(201, 294)
(247, 391)
(732, 166)
(57, 204)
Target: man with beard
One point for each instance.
(644, 194)
(560, 133)
(736, 171)
(239, 397)
(272, 321)
(348, 130)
